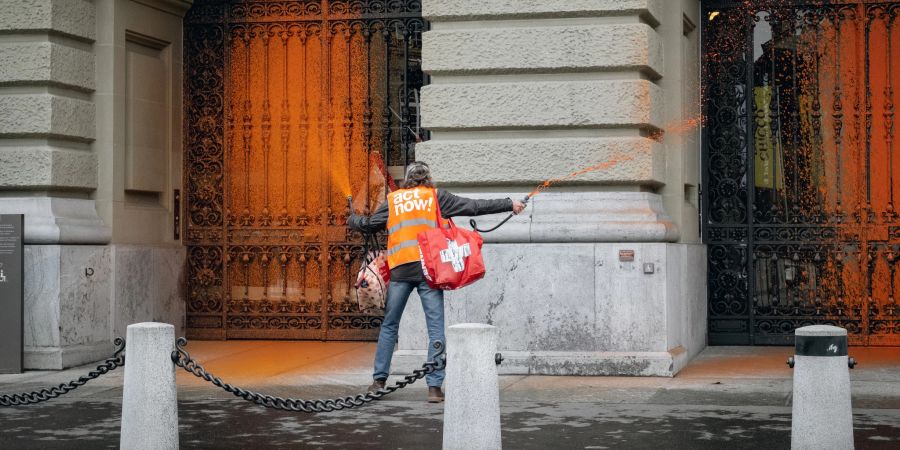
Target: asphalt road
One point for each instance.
(729, 397)
(406, 424)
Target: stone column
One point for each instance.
(48, 171)
(87, 87)
(596, 278)
(47, 119)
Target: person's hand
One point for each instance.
(518, 207)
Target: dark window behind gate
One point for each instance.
(290, 106)
(801, 177)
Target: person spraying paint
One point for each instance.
(407, 212)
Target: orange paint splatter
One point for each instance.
(684, 126)
(604, 165)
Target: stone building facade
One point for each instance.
(90, 129)
(604, 275)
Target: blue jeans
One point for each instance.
(433, 305)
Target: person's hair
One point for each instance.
(418, 174)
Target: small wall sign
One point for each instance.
(11, 292)
(626, 255)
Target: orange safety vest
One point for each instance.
(410, 212)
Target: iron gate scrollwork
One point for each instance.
(290, 106)
(799, 206)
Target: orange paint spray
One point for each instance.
(541, 187)
(604, 165)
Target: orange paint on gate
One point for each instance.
(835, 75)
(855, 181)
(304, 106)
(304, 119)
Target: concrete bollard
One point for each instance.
(821, 415)
(149, 398)
(472, 409)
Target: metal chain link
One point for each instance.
(117, 360)
(182, 359)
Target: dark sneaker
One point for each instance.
(376, 385)
(435, 394)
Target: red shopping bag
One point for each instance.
(451, 257)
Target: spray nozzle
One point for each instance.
(350, 202)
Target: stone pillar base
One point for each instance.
(50, 220)
(644, 364)
(580, 309)
(78, 298)
(148, 287)
(67, 297)
(56, 358)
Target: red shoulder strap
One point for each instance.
(437, 208)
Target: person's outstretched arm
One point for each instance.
(453, 205)
(370, 224)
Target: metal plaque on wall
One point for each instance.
(11, 292)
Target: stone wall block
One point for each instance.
(592, 315)
(573, 217)
(73, 118)
(133, 301)
(570, 104)
(46, 115)
(531, 161)
(76, 18)
(47, 167)
(569, 48)
(72, 67)
(85, 295)
(46, 63)
(170, 284)
(25, 62)
(600, 217)
(631, 305)
(147, 286)
(66, 305)
(454, 10)
(41, 324)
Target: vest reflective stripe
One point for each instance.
(410, 212)
(409, 223)
(403, 245)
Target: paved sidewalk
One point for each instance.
(734, 397)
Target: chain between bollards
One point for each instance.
(29, 398)
(183, 359)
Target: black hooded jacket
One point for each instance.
(451, 206)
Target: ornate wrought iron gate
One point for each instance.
(800, 173)
(290, 106)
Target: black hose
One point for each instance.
(474, 224)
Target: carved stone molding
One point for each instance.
(52, 220)
(177, 7)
